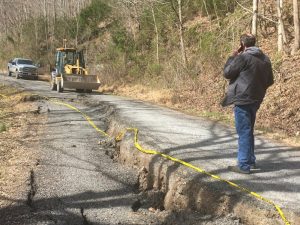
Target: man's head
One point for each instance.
(248, 40)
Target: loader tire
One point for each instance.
(53, 86)
(59, 87)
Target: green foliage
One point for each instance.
(10, 39)
(210, 7)
(277, 60)
(90, 16)
(191, 8)
(154, 69)
(122, 39)
(135, 71)
(111, 53)
(192, 36)
(166, 20)
(65, 28)
(34, 33)
(147, 31)
(219, 7)
(207, 42)
(2, 127)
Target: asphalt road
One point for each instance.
(75, 181)
(212, 146)
(77, 165)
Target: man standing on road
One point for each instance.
(250, 73)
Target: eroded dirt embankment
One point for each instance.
(186, 192)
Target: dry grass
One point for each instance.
(18, 152)
(149, 94)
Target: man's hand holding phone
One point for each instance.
(239, 50)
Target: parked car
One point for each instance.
(22, 68)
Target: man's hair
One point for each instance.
(248, 40)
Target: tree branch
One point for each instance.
(259, 15)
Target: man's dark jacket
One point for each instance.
(250, 74)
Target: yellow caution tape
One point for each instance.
(154, 152)
(83, 114)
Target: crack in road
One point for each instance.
(85, 221)
(83, 185)
(32, 191)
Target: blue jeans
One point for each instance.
(245, 116)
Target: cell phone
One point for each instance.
(241, 48)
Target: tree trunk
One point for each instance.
(36, 34)
(46, 23)
(3, 12)
(296, 27)
(254, 19)
(77, 23)
(183, 53)
(156, 32)
(281, 32)
(215, 9)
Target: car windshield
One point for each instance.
(25, 61)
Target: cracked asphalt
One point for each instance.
(212, 147)
(77, 183)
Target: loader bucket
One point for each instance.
(86, 82)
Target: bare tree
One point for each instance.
(181, 30)
(77, 24)
(281, 32)
(130, 10)
(46, 22)
(3, 18)
(183, 52)
(156, 32)
(254, 18)
(133, 9)
(296, 27)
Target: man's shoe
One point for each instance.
(253, 166)
(237, 169)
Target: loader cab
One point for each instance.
(68, 56)
(71, 73)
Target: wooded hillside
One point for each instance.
(167, 51)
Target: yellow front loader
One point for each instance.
(70, 72)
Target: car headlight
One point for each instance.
(20, 69)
